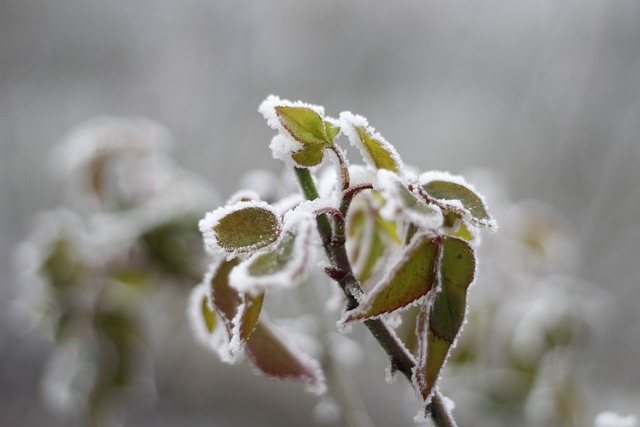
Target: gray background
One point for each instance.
(546, 93)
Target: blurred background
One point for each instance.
(544, 94)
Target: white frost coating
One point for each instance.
(327, 188)
(300, 223)
(390, 373)
(218, 340)
(361, 175)
(348, 124)
(212, 219)
(236, 344)
(414, 211)
(282, 146)
(612, 419)
(423, 416)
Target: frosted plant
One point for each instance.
(89, 269)
(397, 242)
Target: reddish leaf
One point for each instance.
(275, 357)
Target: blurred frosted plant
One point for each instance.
(88, 269)
(399, 243)
(611, 419)
(519, 359)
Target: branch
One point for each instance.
(401, 359)
(341, 272)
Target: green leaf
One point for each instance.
(304, 124)
(247, 227)
(455, 226)
(250, 315)
(409, 280)
(472, 204)
(131, 277)
(376, 151)
(457, 271)
(446, 314)
(310, 155)
(331, 131)
(275, 357)
(273, 262)
(208, 315)
(62, 265)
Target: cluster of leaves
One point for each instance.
(89, 269)
(393, 238)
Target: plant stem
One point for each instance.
(439, 413)
(334, 246)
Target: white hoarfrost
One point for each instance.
(283, 146)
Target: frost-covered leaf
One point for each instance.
(455, 226)
(243, 227)
(250, 314)
(304, 124)
(375, 150)
(331, 130)
(310, 155)
(455, 194)
(275, 356)
(224, 298)
(245, 322)
(446, 313)
(402, 203)
(370, 237)
(304, 132)
(409, 280)
(285, 265)
(236, 312)
(206, 322)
